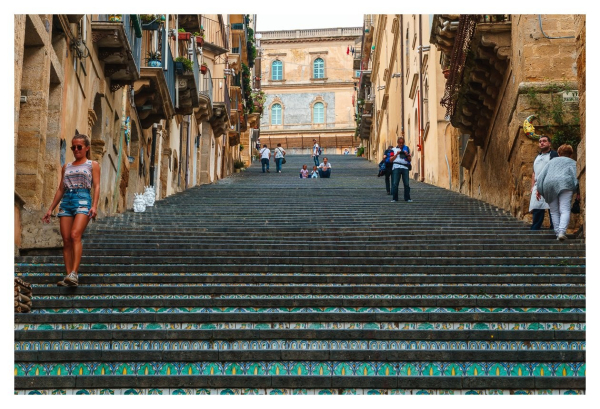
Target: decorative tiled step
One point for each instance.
(151, 341)
(302, 299)
(288, 391)
(307, 368)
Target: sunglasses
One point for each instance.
(78, 147)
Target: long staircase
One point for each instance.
(270, 284)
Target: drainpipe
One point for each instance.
(187, 151)
(446, 156)
(176, 55)
(154, 129)
(421, 98)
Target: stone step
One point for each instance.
(365, 336)
(304, 268)
(84, 303)
(397, 289)
(354, 317)
(149, 278)
(396, 254)
(527, 384)
(322, 260)
(158, 340)
(297, 355)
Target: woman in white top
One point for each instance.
(78, 194)
(279, 154)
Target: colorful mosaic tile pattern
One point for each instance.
(514, 326)
(314, 368)
(299, 344)
(249, 391)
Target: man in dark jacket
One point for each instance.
(387, 154)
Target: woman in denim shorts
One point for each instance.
(76, 207)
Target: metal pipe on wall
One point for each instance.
(421, 98)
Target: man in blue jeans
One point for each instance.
(401, 161)
(265, 156)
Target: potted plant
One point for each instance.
(183, 64)
(199, 38)
(115, 17)
(241, 147)
(150, 21)
(203, 68)
(238, 165)
(183, 35)
(153, 59)
(360, 151)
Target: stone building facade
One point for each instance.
(123, 81)
(400, 84)
(501, 70)
(459, 87)
(309, 80)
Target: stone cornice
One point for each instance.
(294, 132)
(310, 85)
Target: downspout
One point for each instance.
(187, 152)
(120, 155)
(421, 97)
(446, 156)
(176, 55)
(402, 79)
(154, 128)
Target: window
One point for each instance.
(318, 113)
(319, 68)
(276, 114)
(277, 70)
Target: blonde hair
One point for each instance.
(86, 141)
(565, 150)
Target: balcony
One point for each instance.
(220, 118)
(475, 78)
(205, 96)
(155, 90)
(119, 48)
(189, 22)
(216, 35)
(187, 86)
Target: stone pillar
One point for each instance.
(33, 115)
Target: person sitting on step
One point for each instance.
(304, 172)
(325, 169)
(315, 173)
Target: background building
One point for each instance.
(309, 80)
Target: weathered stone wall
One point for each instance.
(581, 72)
(501, 171)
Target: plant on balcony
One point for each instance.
(115, 17)
(203, 68)
(360, 151)
(238, 164)
(199, 38)
(241, 147)
(183, 35)
(183, 64)
(153, 59)
(151, 21)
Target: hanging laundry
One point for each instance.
(352, 51)
(348, 51)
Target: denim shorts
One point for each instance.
(75, 201)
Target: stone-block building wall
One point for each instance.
(581, 72)
(299, 90)
(497, 157)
